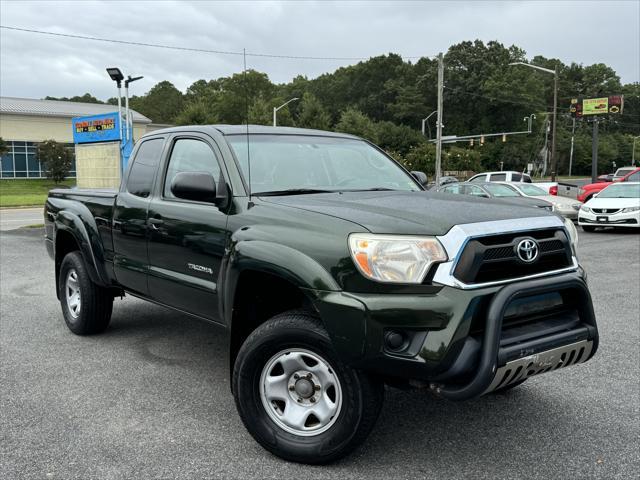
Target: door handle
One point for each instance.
(155, 223)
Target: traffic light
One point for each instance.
(482, 140)
(471, 142)
(504, 137)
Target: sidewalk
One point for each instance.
(12, 218)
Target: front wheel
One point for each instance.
(296, 398)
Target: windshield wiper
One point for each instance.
(292, 191)
(375, 189)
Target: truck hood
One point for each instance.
(407, 213)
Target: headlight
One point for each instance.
(395, 259)
(630, 209)
(573, 234)
(584, 208)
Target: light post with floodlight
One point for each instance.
(116, 76)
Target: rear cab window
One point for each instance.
(144, 167)
(498, 177)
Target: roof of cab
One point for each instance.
(254, 130)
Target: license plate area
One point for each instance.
(602, 219)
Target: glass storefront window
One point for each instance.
(21, 161)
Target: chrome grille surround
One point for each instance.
(457, 238)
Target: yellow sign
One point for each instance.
(595, 106)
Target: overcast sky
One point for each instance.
(34, 65)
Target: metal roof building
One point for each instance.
(24, 122)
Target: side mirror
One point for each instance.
(421, 177)
(198, 186)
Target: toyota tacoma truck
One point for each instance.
(333, 270)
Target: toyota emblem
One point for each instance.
(527, 250)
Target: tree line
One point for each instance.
(385, 98)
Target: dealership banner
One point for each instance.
(596, 106)
(96, 128)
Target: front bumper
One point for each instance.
(456, 341)
(628, 219)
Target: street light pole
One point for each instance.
(275, 110)
(129, 130)
(424, 122)
(554, 162)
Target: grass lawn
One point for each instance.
(22, 193)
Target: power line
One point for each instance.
(190, 49)
(504, 100)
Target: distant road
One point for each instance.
(12, 218)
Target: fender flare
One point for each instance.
(84, 230)
(276, 259)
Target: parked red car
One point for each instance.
(587, 191)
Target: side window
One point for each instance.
(478, 178)
(190, 155)
(634, 177)
(527, 178)
(498, 177)
(452, 189)
(516, 177)
(475, 191)
(145, 164)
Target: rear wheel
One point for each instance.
(295, 396)
(587, 228)
(86, 306)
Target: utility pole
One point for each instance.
(594, 151)
(573, 131)
(439, 125)
(554, 159)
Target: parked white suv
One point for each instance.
(500, 177)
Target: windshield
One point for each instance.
(532, 190)
(500, 190)
(621, 172)
(296, 162)
(621, 190)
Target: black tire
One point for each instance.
(587, 228)
(509, 387)
(362, 396)
(96, 302)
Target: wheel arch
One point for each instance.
(263, 279)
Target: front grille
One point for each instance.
(494, 258)
(605, 210)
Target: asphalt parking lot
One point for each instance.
(150, 398)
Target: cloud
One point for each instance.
(35, 65)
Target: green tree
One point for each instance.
(4, 147)
(162, 104)
(86, 98)
(422, 158)
(313, 114)
(357, 123)
(56, 160)
(261, 112)
(195, 113)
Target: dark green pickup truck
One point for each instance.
(333, 270)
